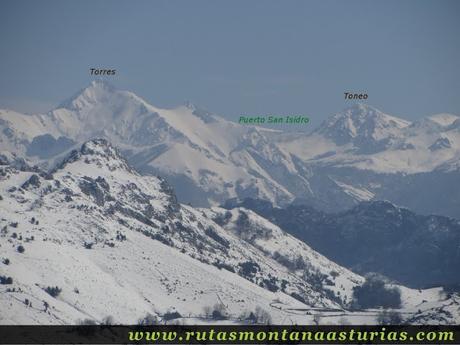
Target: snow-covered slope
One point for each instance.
(363, 137)
(358, 154)
(114, 243)
(363, 154)
(367, 128)
(190, 145)
(118, 243)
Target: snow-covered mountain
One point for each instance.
(356, 155)
(368, 129)
(93, 239)
(363, 137)
(118, 243)
(197, 150)
(363, 155)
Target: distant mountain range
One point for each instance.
(375, 237)
(360, 154)
(93, 197)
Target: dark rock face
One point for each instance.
(418, 251)
(19, 163)
(173, 204)
(441, 143)
(97, 188)
(33, 181)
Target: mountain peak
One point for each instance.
(361, 108)
(99, 146)
(382, 205)
(100, 85)
(189, 105)
(100, 152)
(358, 122)
(97, 91)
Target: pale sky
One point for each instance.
(237, 57)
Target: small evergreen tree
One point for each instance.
(53, 291)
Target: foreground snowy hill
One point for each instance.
(95, 239)
(359, 154)
(119, 244)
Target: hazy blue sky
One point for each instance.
(237, 57)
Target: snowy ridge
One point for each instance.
(360, 123)
(94, 216)
(358, 153)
